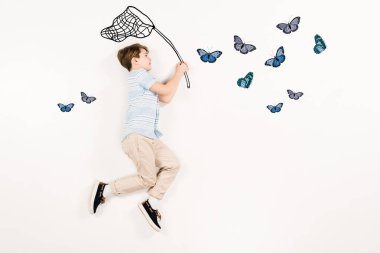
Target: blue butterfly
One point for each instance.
(320, 44)
(293, 95)
(274, 109)
(289, 27)
(246, 81)
(242, 47)
(65, 108)
(86, 98)
(208, 57)
(278, 59)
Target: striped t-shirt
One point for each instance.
(143, 107)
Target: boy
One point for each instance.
(156, 164)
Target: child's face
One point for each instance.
(144, 61)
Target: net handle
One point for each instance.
(175, 50)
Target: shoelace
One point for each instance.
(158, 214)
(102, 198)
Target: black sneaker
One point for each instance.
(97, 197)
(151, 215)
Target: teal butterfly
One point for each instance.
(320, 44)
(246, 81)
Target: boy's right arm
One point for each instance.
(166, 91)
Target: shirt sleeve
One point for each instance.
(146, 80)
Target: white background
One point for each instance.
(302, 180)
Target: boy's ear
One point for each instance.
(134, 60)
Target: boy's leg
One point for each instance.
(168, 166)
(140, 151)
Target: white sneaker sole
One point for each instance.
(93, 195)
(147, 217)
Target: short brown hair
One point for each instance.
(126, 54)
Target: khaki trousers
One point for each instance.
(156, 166)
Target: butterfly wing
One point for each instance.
(278, 107)
(280, 53)
(248, 82)
(91, 99)
(238, 40)
(84, 96)
(291, 94)
(69, 107)
(249, 75)
(246, 48)
(276, 62)
(238, 43)
(242, 82)
(282, 26)
(216, 54)
(318, 49)
(279, 58)
(203, 54)
(318, 39)
(298, 95)
(62, 107)
(250, 47)
(270, 107)
(269, 62)
(293, 25)
(213, 56)
(295, 21)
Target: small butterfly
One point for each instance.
(276, 108)
(320, 44)
(278, 59)
(208, 57)
(242, 47)
(86, 98)
(293, 95)
(246, 81)
(289, 27)
(65, 108)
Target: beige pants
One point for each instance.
(156, 166)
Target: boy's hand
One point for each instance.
(182, 67)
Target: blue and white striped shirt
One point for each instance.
(143, 107)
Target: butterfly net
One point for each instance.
(128, 24)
